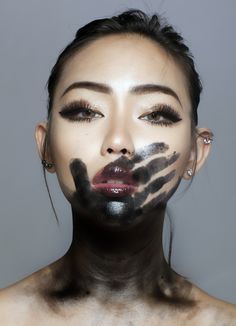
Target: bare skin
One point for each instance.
(20, 304)
(120, 279)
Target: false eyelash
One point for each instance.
(166, 111)
(71, 110)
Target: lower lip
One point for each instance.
(114, 190)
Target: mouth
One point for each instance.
(114, 181)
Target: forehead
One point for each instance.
(123, 61)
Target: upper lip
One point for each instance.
(114, 172)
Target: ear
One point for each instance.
(200, 151)
(43, 150)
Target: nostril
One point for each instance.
(124, 151)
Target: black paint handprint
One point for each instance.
(125, 209)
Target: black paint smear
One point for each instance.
(144, 173)
(82, 184)
(153, 187)
(141, 155)
(150, 150)
(122, 210)
(92, 211)
(163, 197)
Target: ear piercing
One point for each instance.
(207, 140)
(190, 172)
(46, 164)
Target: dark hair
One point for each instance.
(133, 22)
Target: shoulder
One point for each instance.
(213, 311)
(12, 305)
(19, 302)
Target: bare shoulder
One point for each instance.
(19, 300)
(213, 311)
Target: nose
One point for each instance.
(117, 141)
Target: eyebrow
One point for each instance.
(138, 90)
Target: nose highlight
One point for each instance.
(117, 142)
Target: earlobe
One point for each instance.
(200, 152)
(40, 137)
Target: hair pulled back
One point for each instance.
(133, 22)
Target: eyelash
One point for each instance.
(165, 111)
(72, 110)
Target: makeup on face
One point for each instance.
(111, 103)
(83, 111)
(115, 195)
(118, 178)
(114, 180)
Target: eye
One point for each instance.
(162, 114)
(80, 111)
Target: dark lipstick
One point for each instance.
(114, 181)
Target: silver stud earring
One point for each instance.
(190, 172)
(46, 164)
(207, 140)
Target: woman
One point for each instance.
(121, 134)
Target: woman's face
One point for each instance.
(121, 104)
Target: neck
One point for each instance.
(114, 262)
(111, 259)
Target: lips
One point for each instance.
(114, 181)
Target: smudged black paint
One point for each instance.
(144, 173)
(122, 210)
(73, 278)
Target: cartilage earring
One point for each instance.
(207, 140)
(190, 172)
(47, 165)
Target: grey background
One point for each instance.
(31, 34)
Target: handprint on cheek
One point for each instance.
(129, 207)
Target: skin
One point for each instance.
(116, 258)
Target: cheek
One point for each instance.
(179, 140)
(67, 144)
(179, 144)
(184, 149)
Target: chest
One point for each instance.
(95, 315)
